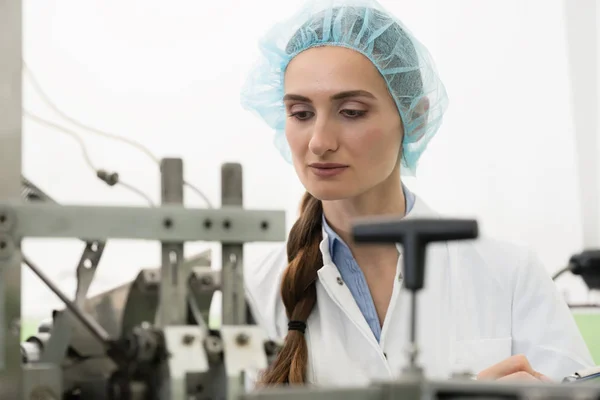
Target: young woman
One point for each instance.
(354, 99)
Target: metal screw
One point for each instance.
(168, 223)
(188, 339)
(242, 339)
(7, 219)
(206, 280)
(340, 281)
(226, 224)
(264, 225)
(213, 343)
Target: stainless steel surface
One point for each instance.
(122, 308)
(94, 328)
(232, 281)
(10, 99)
(166, 224)
(10, 190)
(41, 382)
(173, 289)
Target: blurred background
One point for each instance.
(517, 149)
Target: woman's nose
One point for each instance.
(324, 137)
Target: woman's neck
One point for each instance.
(387, 199)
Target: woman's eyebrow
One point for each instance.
(337, 96)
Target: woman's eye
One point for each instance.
(354, 113)
(301, 115)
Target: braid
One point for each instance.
(298, 292)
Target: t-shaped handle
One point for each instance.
(414, 235)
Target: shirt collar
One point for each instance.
(335, 240)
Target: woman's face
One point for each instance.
(343, 127)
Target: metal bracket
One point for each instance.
(168, 223)
(173, 287)
(203, 283)
(232, 252)
(62, 327)
(185, 346)
(244, 350)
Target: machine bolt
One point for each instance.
(6, 247)
(6, 219)
(242, 339)
(188, 339)
(206, 280)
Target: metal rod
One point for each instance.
(413, 328)
(94, 328)
(169, 223)
(173, 287)
(11, 45)
(232, 253)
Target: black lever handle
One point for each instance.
(587, 265)
(414, 235)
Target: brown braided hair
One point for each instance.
(298, 292)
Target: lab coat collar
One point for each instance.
(419, 210)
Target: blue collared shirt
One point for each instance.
(353, 275)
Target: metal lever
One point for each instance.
(587, 265)
(414, 235)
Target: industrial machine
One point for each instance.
(149, 339)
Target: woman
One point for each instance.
(354, 99)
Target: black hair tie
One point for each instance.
(297, 326)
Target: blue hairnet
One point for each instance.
(364, 26)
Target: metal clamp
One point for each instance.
(244, 350)
(185, 346)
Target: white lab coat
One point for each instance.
(483, 301)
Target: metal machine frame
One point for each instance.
(179, 282)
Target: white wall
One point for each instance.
(168, 75)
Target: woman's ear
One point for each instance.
(419, 113)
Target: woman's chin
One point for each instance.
(330, 192)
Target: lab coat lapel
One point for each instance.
(435, 328)
(329, 277)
